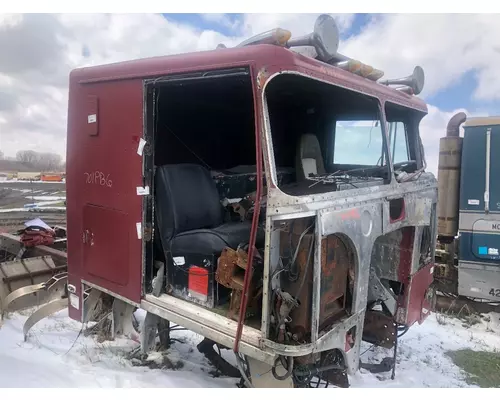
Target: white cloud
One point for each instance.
(298, 24)
(445, 45)
(223, 20)
(38, 52)
(43, 49)
(10, 20)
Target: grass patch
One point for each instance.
(482, 367)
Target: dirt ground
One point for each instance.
(15, 195)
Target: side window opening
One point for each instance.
(399, 142)
(402, 132)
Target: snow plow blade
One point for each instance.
(47, 283)
(44, 312)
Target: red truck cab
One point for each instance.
(178, 165)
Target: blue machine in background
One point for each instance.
(469, 203)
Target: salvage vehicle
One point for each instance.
(469, 213)
(273, 201)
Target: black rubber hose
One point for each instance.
(288, 372)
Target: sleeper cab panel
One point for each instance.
(494, 168)
(105, 122)
(105, 246)
(472, 181)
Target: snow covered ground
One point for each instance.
(52, 358)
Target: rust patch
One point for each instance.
(231, 267)
(300, 325)
(335, 264)
(262, 77)
(230, 273)
(379, 329)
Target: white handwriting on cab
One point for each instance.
(98, 178)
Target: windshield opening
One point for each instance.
(328, 137)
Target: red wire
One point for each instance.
(253, 234)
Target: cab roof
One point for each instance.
(259, 55)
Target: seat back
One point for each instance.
(186, 199)
(309, 157)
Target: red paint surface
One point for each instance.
(350, 214)
(349, 342)
(103, 171)
(413, 298)
(420, 282)
(106, 229)
(273, 58)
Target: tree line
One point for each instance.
(45, 162)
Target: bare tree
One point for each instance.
(27, 156)
(46, 162)
(1, 155)
(49, 162)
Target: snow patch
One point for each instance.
(55, 355)
(46, 198)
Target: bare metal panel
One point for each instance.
(479, 280)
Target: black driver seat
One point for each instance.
(189, 215)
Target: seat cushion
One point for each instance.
(211, 241)
(186, 199)
(309, 155)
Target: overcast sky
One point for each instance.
(459, 53)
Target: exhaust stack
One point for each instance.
(449, 168)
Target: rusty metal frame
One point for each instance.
(29, 274)
(104, 290)
(12, 243)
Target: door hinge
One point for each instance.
(148, 232)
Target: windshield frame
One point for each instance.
(268, 148)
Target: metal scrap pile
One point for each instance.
(33, 264)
